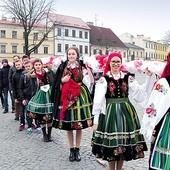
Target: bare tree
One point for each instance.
(166, 38)
(32, 14)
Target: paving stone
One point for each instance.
(20, 151)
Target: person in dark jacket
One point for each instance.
(5, 84)
(11, 72)
(15, 89)
(1, 90)
(27, 88)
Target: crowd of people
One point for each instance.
(72, 99)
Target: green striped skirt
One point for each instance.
(117, 136)
(40, 106)
(79, 115)
(160, 158)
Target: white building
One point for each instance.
(152, 50)
(70, 31)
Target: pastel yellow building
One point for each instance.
(161, 51)
(12, 42)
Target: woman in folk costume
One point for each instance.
(72, 100)
(116, 124)
(156, 121)
(40, 105)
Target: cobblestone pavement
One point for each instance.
(21, 151)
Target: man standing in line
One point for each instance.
(5, 84)
(11, 72)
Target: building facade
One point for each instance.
(70, 31)
(134, 52)
(12, 41)
(152, 50)
(104, 40)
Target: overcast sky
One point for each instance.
(148, 17)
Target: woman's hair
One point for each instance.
(37, 60)
(111, 55)
(76, 50)
(166, 70)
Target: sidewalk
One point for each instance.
(21, 151)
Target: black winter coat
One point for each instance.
(11, 72)
(27, 86)
(5, 73)
(0, 79)
(15, 83)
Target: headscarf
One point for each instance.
(166, 70)
(111, 55)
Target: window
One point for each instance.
(80, 34)
(86, 35)
(81, 49)
(66, 32)
(3, 48)
(36, 51)
(146, 45)
(45, 50)
(59, 48)
(59, 32)
(94, 51)
(124, 54)
(86, 49)
(23, 34)
(24, 49)
(35, 36)
(73, 33)
(66, 47)
(14, 34)
(14, 49)
(3, 33)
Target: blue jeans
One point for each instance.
(6, 90)
(23, 112)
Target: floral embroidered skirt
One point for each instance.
(160, 158)
(79, 115)
(117, 136)
(40, 107)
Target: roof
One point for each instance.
(104, 36)
(17, 23)
(129, 45)
(68, 21)
(9, 22)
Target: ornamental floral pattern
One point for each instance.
(131, 79)
(161, 88)
(112, 87)
(124, 88)
(119, 150)
(47, 117)
(150, 111)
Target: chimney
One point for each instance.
(90, 23)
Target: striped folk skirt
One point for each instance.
(117, 136)
(79, 115)
(40, 107)
(160, 158)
